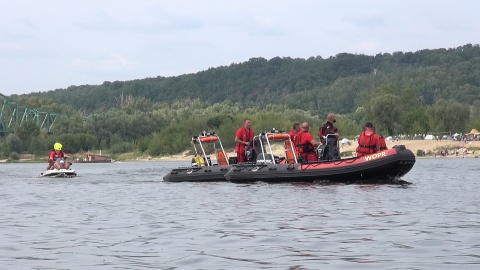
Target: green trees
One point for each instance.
(449, 116)
(386, 112)
(11, 144)
(26, 132)
(428, 91)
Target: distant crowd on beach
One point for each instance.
(463, 152)
(455, 137)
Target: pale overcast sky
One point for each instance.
(50, 44)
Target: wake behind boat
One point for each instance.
(202, 169)
(382, 167)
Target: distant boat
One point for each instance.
(92, 158)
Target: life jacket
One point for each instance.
(366, 144)
(326, 129)
(383, 144)
(200, 161)
(54, 154)
(301, 146)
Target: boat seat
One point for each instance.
(328, 152)
(232, 160)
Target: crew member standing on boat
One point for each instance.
(54, 158)
(368, 142)
(305, 144)
(294, 132)
(243, 138)
(328, 129)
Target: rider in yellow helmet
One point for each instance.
(56, 158)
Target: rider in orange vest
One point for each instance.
(368, 142)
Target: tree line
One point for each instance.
(429, 91)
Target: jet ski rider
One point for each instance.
(54, 158)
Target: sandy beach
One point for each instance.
(429, 146)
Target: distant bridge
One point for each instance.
(13, 115)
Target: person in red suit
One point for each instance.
(294, 132)
(243, 139)
(306, 144)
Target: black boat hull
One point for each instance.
(213, 173)
(385, 166)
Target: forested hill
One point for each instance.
(315, 84)
(424, 92)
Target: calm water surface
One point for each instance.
(122, 216)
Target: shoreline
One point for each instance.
(430, 146)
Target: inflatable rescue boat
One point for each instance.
(382, 167)
(202, 169)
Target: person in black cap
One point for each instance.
(329, 131)
(368, 142)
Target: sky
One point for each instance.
(52, 44)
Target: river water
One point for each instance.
(123, 216)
